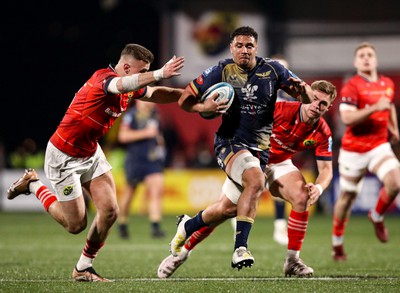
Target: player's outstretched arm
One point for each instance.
(119, 85)
(162, 94)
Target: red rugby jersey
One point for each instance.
(91, 114)
(290, 135)
(372, 132)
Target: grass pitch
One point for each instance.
(37, 255)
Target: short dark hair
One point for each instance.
(244, 31)
(138, 52)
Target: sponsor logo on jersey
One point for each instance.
(264, 75)
(112, 113)
(309, 142)
(389, 92)
(249, 92)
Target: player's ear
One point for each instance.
(127, 68)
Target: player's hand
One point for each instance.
(383, 104)
(300, 87)
(313, 193)
(394, 137)
(172, 67)
(213, 106)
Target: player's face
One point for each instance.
(244, 50)
(365, 60)
(320, 104)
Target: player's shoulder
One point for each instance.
(224, 62)
(285, 110)
(266, 61)
(104, 73)
(352, 84)
(386, 79)
(354, 79)
(323, 127)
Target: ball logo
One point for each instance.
(309, 142)
(68, 190)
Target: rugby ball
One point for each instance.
(224, 90)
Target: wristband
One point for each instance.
(158, 74)
(319, 187)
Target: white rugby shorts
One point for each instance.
(355, 164)
(66, 174)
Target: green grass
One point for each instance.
(37, 255)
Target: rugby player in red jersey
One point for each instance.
(75, 162)
(368, 111)
(297, 127)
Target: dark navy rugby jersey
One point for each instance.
(250, 117)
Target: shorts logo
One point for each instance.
(68, 190)
(220, 163)
(309, 142)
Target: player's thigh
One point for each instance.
(352, 169)
(391, 180)
(102, 192)
(154, 182)
(245, 169)
(74, 211)
(384, 162)
(290, 186)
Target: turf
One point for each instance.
(37, 255)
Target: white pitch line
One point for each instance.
(220, 279)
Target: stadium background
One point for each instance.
(49, 50)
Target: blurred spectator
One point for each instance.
(144, 162)
(27, 154)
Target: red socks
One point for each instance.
(339, 226)
(197, 237)
(297, 227)
(384, 201)
(46, 197)
(91, 249)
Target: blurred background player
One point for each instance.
(144, 162)
(368, 111)
(297, 127)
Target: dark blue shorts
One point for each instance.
(136, 173)
(225, 148)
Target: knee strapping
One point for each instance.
(349, 186)
(386, 167)
(242, 163)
